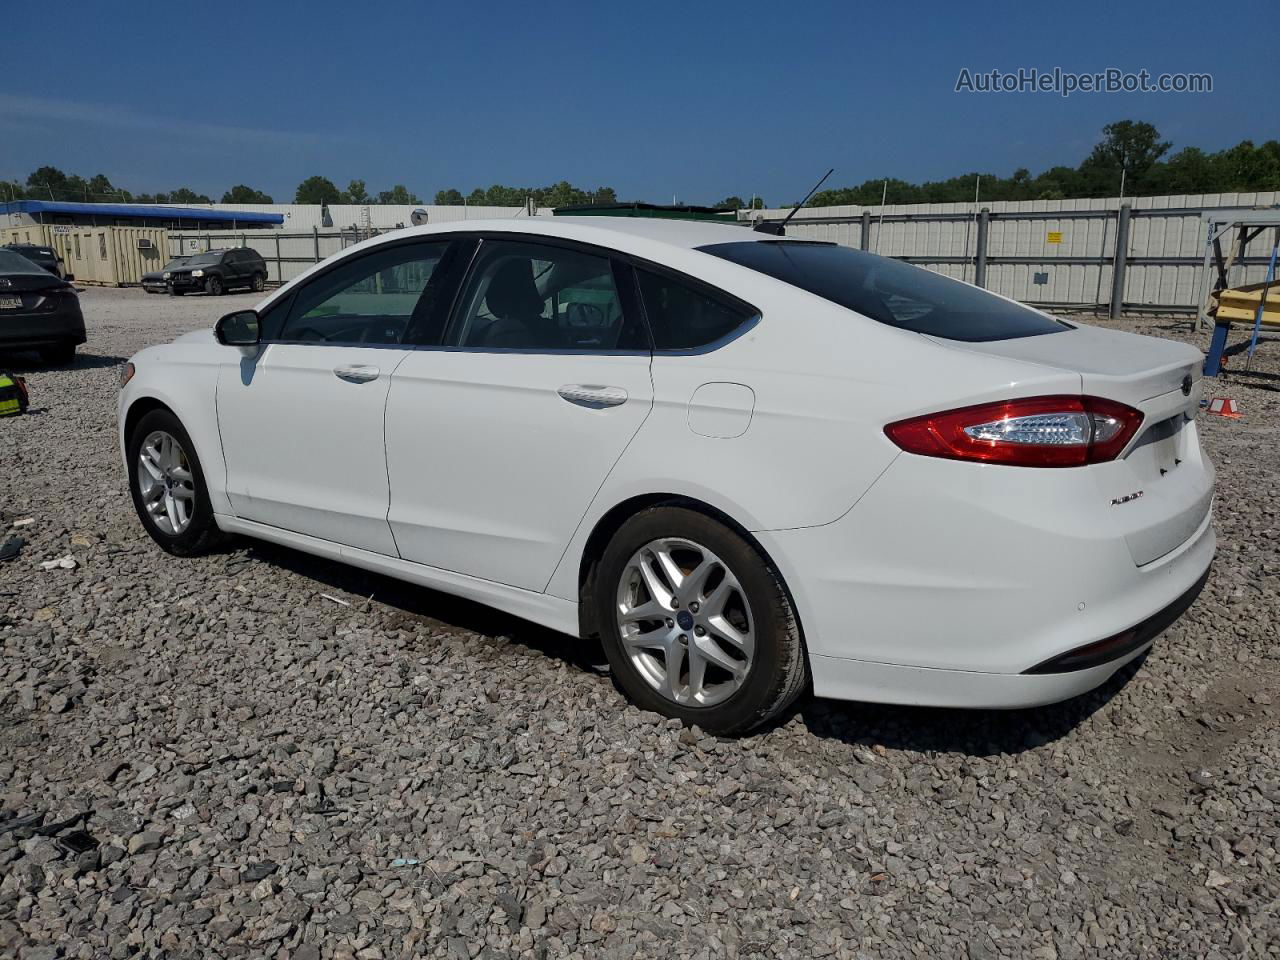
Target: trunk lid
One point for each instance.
(1111, 363)
(1159, 491)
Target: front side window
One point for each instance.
(526, 296)
(369, 299)
(685, 317)
(890, 291)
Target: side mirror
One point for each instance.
(239, 329)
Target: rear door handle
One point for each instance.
(356, 372)
(593, 395)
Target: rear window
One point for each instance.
(890, 291)
(11, 262)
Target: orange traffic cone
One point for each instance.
(1224, 407)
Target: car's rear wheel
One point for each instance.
(696, 624)
(259, 283)
(213, 286)
(168, 487)
(58, 355)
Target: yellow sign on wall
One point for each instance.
(1053, 236)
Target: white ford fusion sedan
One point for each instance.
(751, 465)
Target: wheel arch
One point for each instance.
(138, 409)
(611, 522)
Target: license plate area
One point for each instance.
(10, 303)
(1159, 450)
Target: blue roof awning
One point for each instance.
(148, 211)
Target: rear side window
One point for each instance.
(684, 317)
(890, 291)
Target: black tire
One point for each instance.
(61, 355)
(202, 533)
(176, 293)
(258, 283)
(213, 286)
(779, 669)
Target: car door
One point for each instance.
(498, 439)
(302, 419)
(231, 269)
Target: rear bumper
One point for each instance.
(950, 584)
(41, 329)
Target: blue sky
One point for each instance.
(656, 99)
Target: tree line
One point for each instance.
(1129, 161)
(50, 183)
(562, 194)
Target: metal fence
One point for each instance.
(1143, 255)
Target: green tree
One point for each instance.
(397, 194)
(1127, 146)
(356, 192)
(244, 194)
(317, 190)
(449, 198)
(187, 195)
(101, 189)
(48, 183)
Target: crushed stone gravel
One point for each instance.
(207, 758)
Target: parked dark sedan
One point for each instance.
(38, 311)
(155, 282)
(46, 258)
(217, 271)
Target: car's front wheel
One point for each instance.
(696, 623)
(213, 286)
(168, 485)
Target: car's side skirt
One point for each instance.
(541, 608)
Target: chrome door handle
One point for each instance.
(593, 395)
(356, 373)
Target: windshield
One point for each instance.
(11, 262)
(175, 263)
(213, 256)
(890, 291)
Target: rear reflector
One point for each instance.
(1060, 431)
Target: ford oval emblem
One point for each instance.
(1187, 383)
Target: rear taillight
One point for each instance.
(1032, 432)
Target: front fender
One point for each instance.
(182, 376)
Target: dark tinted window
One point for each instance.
(11, 262)
(527, 296)
(890, 291)
(367, 299)
(685, 317)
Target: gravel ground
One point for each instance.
(271, 774)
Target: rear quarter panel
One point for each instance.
(825, 380)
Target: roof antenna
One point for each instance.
(780, 229)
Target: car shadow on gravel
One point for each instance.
(918, 729)
(943, 730)
(412, 606)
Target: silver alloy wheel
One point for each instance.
(685, 622)
(166, 482)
